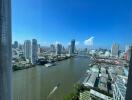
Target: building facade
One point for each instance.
(52, 48)
(115, 50)
(58, 49)
(128, 52)
(34, 51)
(27, 49)
(15, 44)
(73, 46)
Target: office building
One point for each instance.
(15, 44)
(128, 52)
(34, 51)
(73, 46)
(5, 50)
(58, 49)
(20, 47)
(115, 50)
(27, 49)
(52, 48)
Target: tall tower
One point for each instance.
(5, 50)
(115, 50)
(58, 49)
(34, 51)
(128, 52)
(27, 49)
(15, 44)
(72, 47)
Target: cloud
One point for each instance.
(89, 41)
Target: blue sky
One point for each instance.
(108, 21)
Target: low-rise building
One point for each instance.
(99, 96)
(90, 79)
(119, 88)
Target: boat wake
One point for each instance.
(53, 91)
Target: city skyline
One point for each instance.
(61, 21)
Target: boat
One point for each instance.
(49, 64)
(58, 85)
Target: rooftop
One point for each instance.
(99, 95)
(120, 83)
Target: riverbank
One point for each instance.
(16, 68)
(21, 66)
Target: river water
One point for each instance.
(38, 82)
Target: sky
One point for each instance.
(99, 23)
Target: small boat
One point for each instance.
(58, 85)
(49, 64)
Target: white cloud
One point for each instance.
(89, 41)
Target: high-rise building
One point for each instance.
(20, 46)
(52, 48)
(15, 44)
(58, 49)
(115, 50)
(27, 49)
(34, 51)
(5, 50)
(73, 46)
(128, 52)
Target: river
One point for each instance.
(38, 82)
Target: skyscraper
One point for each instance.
(58, 49)
(20, 46)
(27, 49)
(115, 50)
(34, 51)
(73, 46)
(5, 50)
(52, 48)
(128, 52)
(15, 44)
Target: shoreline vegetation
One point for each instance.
(19, 66)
